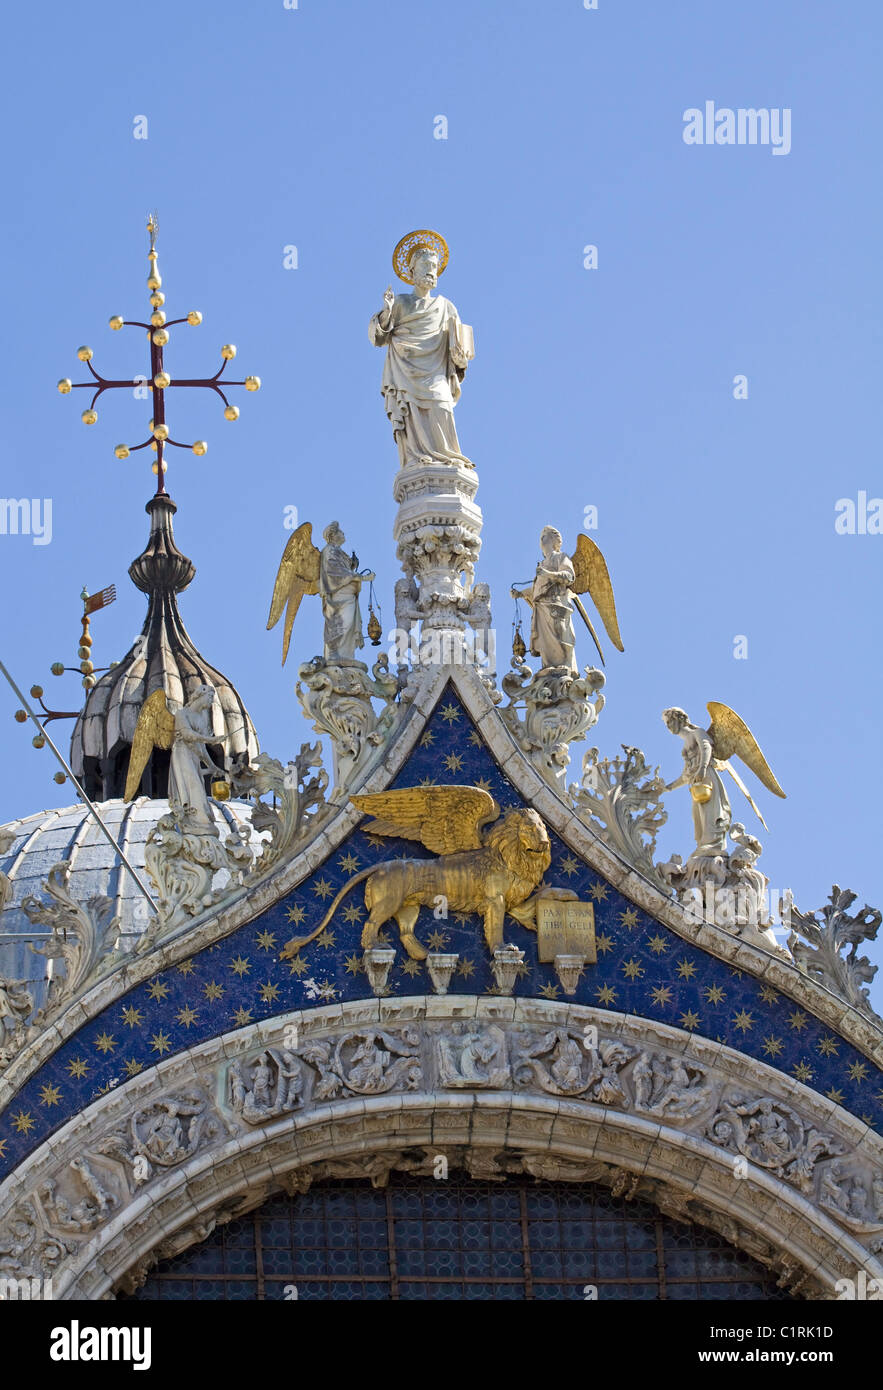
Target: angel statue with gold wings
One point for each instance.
(707, 753)
(554, 595)
(187, 731)
(334, 576)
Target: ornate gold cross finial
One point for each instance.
(159, 379)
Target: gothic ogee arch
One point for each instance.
(186, 1082)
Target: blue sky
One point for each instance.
(270, 127)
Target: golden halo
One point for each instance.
(409, 243)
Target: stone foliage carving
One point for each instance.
(559, 708)
(621, 800)
(16, 1007)
(182, 856)
(163, 1133)
(27, 1250)
(83, 938)
(773, 1136)
(566, 1064)
(726, 889)
(298, 801)
(824, 944)
(337, 697)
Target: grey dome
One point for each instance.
(44, 839)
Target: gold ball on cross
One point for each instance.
(117, 321)
(194, 318)
(231, 412)
(252, 383)
(122, 451)
(228, 351)
(161, 432)
(160, 337)
(200, 448)
(89, 417)
(64, 385)
(162, 380)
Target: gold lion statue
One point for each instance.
(486, 864)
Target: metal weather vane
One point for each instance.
(159, 380)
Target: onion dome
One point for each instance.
(162, 658)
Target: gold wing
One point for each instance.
(591, 577)
(731, 737)
(445, 819)
(298, 575)
(155, 729)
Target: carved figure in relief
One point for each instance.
(473, 1057)
(490, 871)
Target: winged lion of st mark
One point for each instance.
(486, 864)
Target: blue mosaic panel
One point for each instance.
(643, 968)
(421, 1240)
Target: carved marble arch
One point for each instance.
(554, 1092)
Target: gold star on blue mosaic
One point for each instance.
(606, 995)
(768, 994)
(325, 939)
(322, 888)
(212, 991)
(661, 994)
(50, 1095)
(240, 966)
(297, 966)
(352, 965)
(454, 762)
(797, 1020)
(604, 943)
(686, 969)
(3, 1143)
(828, 1046)
(132, 1066)
(158, 989)
(326, 991)
(185, 967)
(549, 991)
(713, 994)
(802, 1071)
(427, 782)
(296, 914)
(743, 1021)
(133, 1018)
(269, 992)
(436, 940)
(857, 1071)
(773, 1047)
(569, 865)
(266, 940)
(105, 1042)
(632, 969)
(451, 714)
(427, 739)
(466, 967)
(352, 913)
(598, 891)
(657, 945)
(835, 1095)
(462, 918)
(186, 1016)
(410, 967)
(242, 1016)
(475, 738)
(77, 1067)
(483, 784)
(348, 863)
(689, 1020)
(160, 1042)
(629, 918)
(23, 1122)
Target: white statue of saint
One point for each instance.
(339, 585)
(428, 349)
